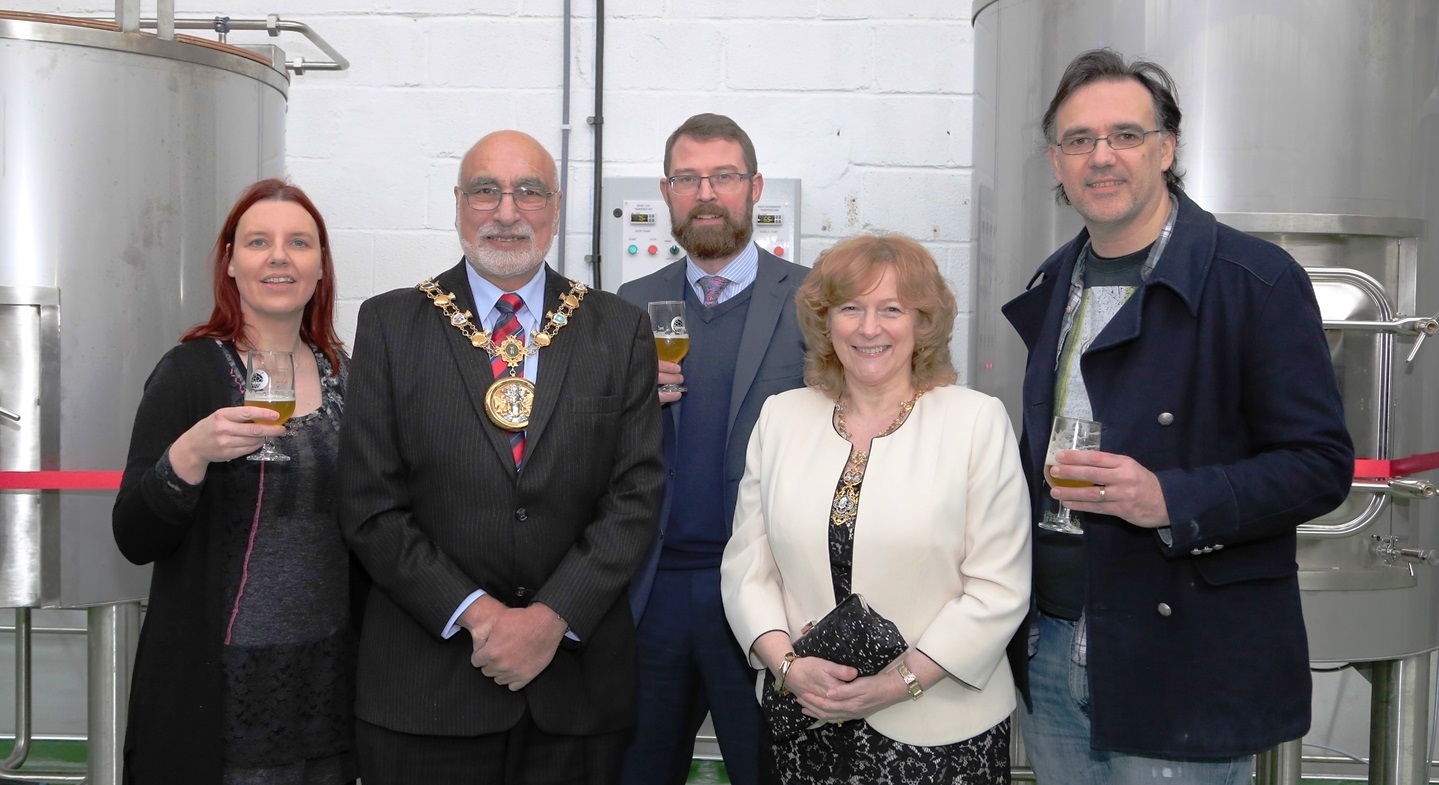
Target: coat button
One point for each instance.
(1166, 418)
(1196, 552)
(522, 514)
(521, 593)
(1164, 609)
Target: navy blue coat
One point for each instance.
(1197, 647)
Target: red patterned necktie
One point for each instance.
(505, 326)
(712, 286)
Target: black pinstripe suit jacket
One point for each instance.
(432, 505)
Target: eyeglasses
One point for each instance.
(1119, 140)
(722, 183)
(488, 198)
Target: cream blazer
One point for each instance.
(941, 545)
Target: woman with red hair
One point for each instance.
(245, 666)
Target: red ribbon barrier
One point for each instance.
(1367, 468)
(59, 481)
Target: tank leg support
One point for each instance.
(1281, 765)
(114, 631)
(1399, 721)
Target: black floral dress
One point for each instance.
(853, 753)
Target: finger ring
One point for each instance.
(1101, 494)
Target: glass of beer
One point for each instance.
(672, 340)
(270, 384)
(1068, 434)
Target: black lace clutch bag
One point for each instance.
(852, 634)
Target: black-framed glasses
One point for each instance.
(1119, 140)
(489, 197)
(722, 183)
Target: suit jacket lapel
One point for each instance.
(766, 302)
(554, 361)
(473, 362)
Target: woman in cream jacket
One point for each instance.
(882, 477)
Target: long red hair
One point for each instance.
(227, 321)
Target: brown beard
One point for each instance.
(717, 242)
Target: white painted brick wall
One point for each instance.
(868, 103)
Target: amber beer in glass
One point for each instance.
(270, 384)
(672, 348)
(1068, 433)
(672, 338)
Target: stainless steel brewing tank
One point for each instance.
(1313, 125)
(122, 154)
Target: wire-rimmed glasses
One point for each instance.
(721, 182)
(486, 198)
(1119, 140)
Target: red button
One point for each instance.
(778, 251)
(654, 250)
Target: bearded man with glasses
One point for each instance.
(1167, 641)
(745, 346)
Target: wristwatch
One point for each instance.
(911, 682)
(784, 672)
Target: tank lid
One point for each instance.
(979, 5)
(105, 34)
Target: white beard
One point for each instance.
(503, 264)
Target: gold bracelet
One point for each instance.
(911, 682)
(784, 672)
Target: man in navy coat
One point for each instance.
(1168, 637)
(745, 346)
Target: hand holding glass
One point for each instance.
(270, 384)
(1068, 434)
(672, 340)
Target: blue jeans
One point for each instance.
(1056, 732)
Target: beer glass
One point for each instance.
(270, 384)
(1068, 434)
(672, 340)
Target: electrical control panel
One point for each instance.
(635, 237)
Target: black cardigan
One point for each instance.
(176, 695)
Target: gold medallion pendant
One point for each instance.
(509, 399)
(508, 402)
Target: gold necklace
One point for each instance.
(845, 507)
(510, 398)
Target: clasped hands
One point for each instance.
(1122, 487)
(834, 693)
(512, 646)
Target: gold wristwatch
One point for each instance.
(911, 682)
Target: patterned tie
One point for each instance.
(713, 285)
(505, 326)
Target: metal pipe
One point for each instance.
(274, 25)
(1399, 721)
(598, 121)
(1423, 325)
(21, 750)
(1281, 765)
(6, 413)
(564, 140)
(9, 768)
(127, 15)
(165, 12)
(113, 636)
(1405, 487)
